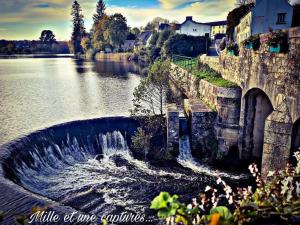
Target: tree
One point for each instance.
(78, 27)
(153, 25)
(117, 30)
(154, 38)
(47, 37)
(150, 95)
(163, 37)
(98, 40)
(136, 31)
(100, 11)
(181, 44)
(86, 44)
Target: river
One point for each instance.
(40, 92)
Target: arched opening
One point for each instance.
(257, 108)
(295, 145)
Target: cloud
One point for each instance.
(172, 4)
(202, 11)
(31, 16)
(42, 5)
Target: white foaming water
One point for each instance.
(59, 170)
(71, 172)
(186, 159)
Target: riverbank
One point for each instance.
(115, 57)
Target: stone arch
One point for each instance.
(257, 107)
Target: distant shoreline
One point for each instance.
(37, 55)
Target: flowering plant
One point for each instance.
(233, 47)
(254, 40)
(276, 37)
(276, 200)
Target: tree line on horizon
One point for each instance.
(47, 43)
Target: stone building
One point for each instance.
(190, 27)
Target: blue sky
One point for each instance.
(25, 19)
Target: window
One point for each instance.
(194, 29)
(281, 18)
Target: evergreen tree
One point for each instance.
(78, 27)
(100, 11)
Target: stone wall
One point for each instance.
(224, 101)
(201, 122)
(277, 75)
(173, 128)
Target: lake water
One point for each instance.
(40, 92)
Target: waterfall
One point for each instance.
(187, 160)
(185, 152)
(113, 143)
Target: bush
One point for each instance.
(141, 142)
(181, 44)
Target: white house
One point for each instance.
(275, 14)
(190, 27)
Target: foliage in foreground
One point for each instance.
(276, 200)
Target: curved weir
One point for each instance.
(89, 166)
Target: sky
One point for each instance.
(25, 19)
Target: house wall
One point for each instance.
(194, 29)
(218, 30)
(243, 30)
(265, 15)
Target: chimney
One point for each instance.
(189, 18)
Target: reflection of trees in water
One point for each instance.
(119, 69)
(108, 68)
(80, 67)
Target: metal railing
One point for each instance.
(185, 62)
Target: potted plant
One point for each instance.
(233, 49)
(252, 42)
(277, 41)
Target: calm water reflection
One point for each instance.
(35, 93)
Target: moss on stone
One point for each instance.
(203, 71)
(215, 80)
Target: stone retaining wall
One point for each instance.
(201, 122)
(224, 101)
